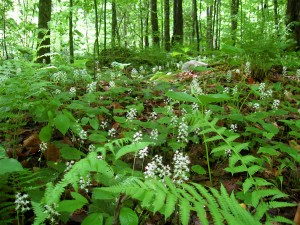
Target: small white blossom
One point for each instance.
(84, 183)
(112, 84)
(195, 106)
(91, 87)
(92, 148)
(228, 152)
(131, 114)
(195, 87)
(57, 91)
(153, 116)
(233, 127)
(82, 135)
(52, 214)
(174, 120)
(72, 91)
(180, 163)
(112, 132)
(226, 90)
(275, 104)
(138, 136)
(284, 71)
(256, 106)
(103, 124)
(69, 165)
(235, 90)
(43, 147)
(22, 202)
(229, 76)
(143, 153)
(154, 134)
(182, 131)
(247, 68)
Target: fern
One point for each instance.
(166, 198)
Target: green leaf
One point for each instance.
(45, 133)
(198, 169)
(181, 96)
(98, 193)
(62, 123)
(97, 137)
(128, 217)
(10, 165)
(134, 147)
(78, 197)
(70, 205)
(213, 98)
(94, 123)
(93, 219)
(70, 153)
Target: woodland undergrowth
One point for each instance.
(148, 145)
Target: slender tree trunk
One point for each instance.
(167, 40)
(177, 22)
(293, 20)
(114, 23)
(96, 46)
(147, 25)
(43, 48)
(86, 24)
(209, 29)
(104, 20)
(218, 24)
(234, 19)
(71, 38)
(5, 55)
(196, 25)
(141, 25)
(154, 23)
(276, 20)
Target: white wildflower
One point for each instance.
(143, 153)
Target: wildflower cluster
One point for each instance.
(180, 163)
(84, 183)
(51, 213)
(43, 146)
(82, 135)
(153, 116)
(229, 76)
(154, 134)
(298, 74)
(247, 68)
(60, 76)
(92, 148)
(143, 153)
(195, 87)
(156, 168)
(72, 91)
(275, 104)
(138, 136)
(263, 92)
(233, 127)
(284, 71)
(69, 165)
(80, 74)
(91, 87)
(131, 114)
(112, 132)
(22, 202)
(182, 131)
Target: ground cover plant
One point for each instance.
(148, 144)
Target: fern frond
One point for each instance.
(184, 211)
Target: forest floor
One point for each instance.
(75, 112)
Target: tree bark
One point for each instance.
(96, 46)
(71, 38)
(154, 23)
(114, 23)
(293, 20)
(5, 55)
(147, 25)
(196, 25)
(234, 13)
(104, 20)
(276, 19)
(43, 48)
(209, 29)
(177, 22)
(167, 41)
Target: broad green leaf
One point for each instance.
(132, 148)
(213, 98)
(69, 206)
(70, 153)
(97, 137)
(93, 219)
(62, 123)
(79, 197)
(198, 169)
(181, 96)
(128, 217)
(10, 165)
(45, 133)
(94, 123)
(99, 193)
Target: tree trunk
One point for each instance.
(96, 46)
(276, 19)
(43, 48)
(234, 14)
(177, 22)
(167, 40)
(5, 55)
(154, 23)
(71, 39)
(104, 21)
(196, 25)
(114, 23)
(293, 20)
(141, 25)
(147, 25)
(209, 29)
